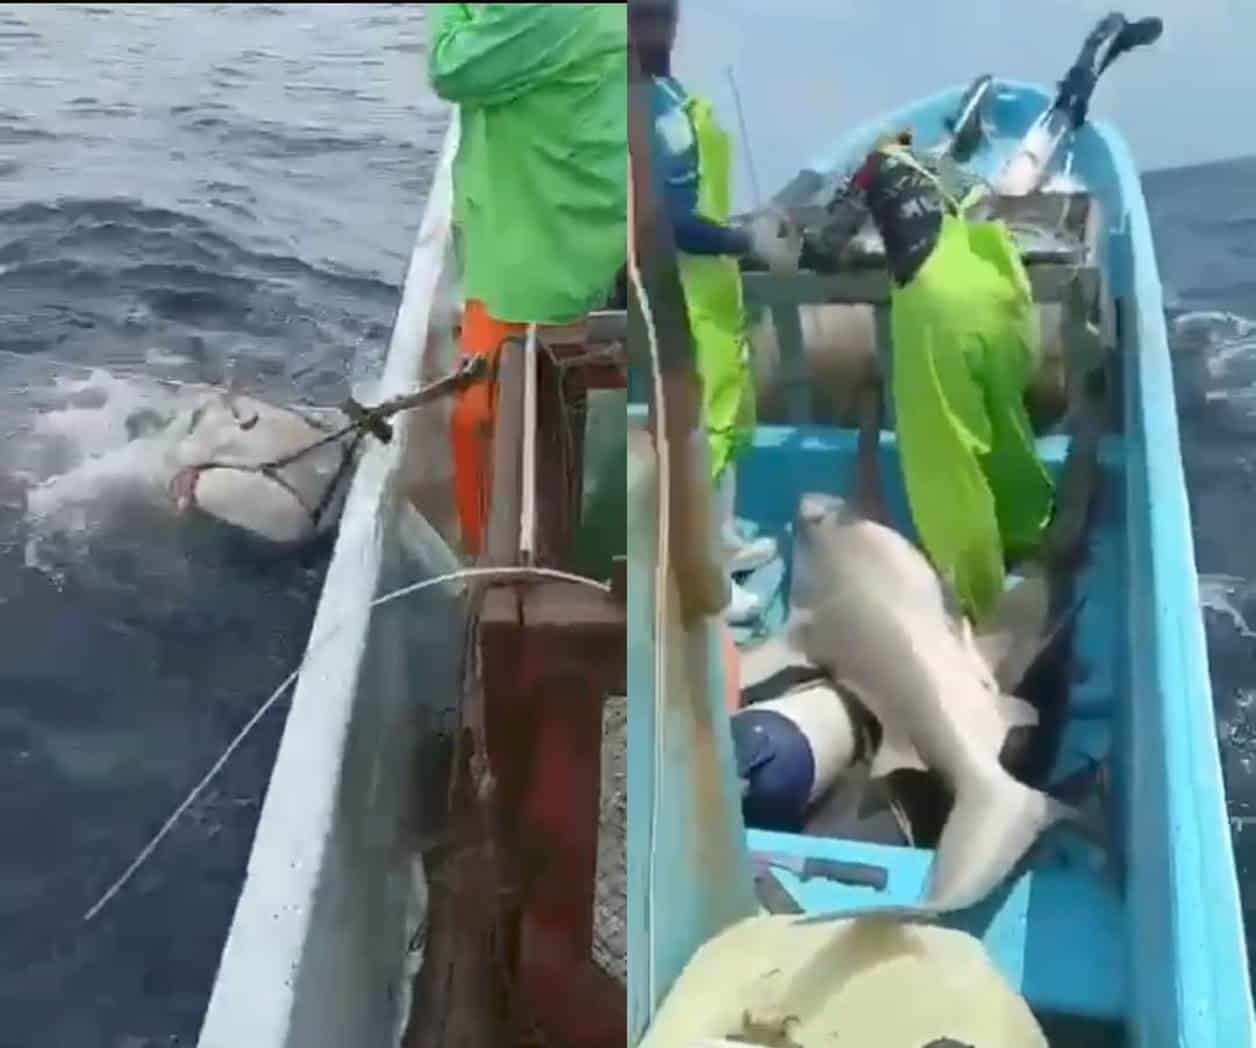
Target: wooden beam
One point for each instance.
(501, 543)
(788, 325)
(1050, 283)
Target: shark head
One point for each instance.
(819, 516)
(815, 508)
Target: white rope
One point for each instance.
(242, 734)
(662, 574)
(527, 503)
(745, 139)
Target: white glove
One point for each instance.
(775, 241)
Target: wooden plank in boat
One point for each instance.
(1050, 282)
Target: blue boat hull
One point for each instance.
(1152, 953)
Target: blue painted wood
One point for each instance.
(1162, 946)
(1029, 927)
(688, 872)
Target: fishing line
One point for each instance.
(242, 734)
(745, 139)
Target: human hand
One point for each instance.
(775, 241)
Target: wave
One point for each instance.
(1226, 596)
(275, 139)
(92, 457)
(107, 221)
(1214, 365)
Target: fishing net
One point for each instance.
(466, 989)
(610, 917)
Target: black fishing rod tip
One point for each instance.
(1148, 30)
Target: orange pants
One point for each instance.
(474, 415)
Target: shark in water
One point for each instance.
(264, 470)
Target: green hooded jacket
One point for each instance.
(540, 181)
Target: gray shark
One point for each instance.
(872, 613)
(263, 470)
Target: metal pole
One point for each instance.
(745, 139)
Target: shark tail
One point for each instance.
(994, 822)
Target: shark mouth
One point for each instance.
(183, 488)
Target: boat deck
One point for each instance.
(1138, 943)
(1065, 897)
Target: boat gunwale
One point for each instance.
(1173, 737)
(265, 967)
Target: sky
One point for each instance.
(807, 70)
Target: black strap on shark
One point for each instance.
(362, 421)
(780, 682)
(795, 676)
(1110, 39)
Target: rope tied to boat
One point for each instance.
(363, 421)
(462, 577)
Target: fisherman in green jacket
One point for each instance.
(965, 348)
(540, 186)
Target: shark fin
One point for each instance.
(994, 649)
(1017, 713)
(1015, 635)
(1024, 633)
(994, 822)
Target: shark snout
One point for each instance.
(816, 507)
(183, 489)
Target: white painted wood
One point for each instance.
(317, 955)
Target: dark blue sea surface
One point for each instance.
(190, 192)
(1204, 220)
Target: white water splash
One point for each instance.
(1228, 337)
(1225, 595)
(98, 440)
(101, 450)
(1236, 733)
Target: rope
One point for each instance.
(242, 734)
(567, 423)
(362, 420)
(661, 576)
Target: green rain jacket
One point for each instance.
(540, 195)
(966, 344)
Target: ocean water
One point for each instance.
(197, 194)
(1204, 220)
